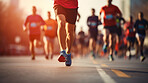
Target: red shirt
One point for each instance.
(110, 13)
(50, 28)
(67, 3)
(34, 22)
(129, 29)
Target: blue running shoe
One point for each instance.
(111, 58)
(116, 52)
(62, 56)
(105, 48)
(68, 60)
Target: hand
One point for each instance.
(134, 29)
(25, 29)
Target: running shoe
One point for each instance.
(111, 58)
(62, 56)
(68, 60)
(94, 56)
(142, 58)
(51, 56)
(116, 52)
(129, 57)
(33, 57)
(46, 57)
(105, 48)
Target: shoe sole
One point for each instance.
(68, 64)
(61, 58)
(143, 59)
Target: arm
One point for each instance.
(123, 20)
(99, 17)
(135, 26)
(88, 24)
(26, 24)
(118, 12)
(42, 22)
(78, 17)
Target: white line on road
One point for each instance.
(106, 78)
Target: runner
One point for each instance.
(66, 14)
(81, 37)
(99, 43)
(141, 25)
(110, 12)
(93, 22)
(50, 33)
(33, 23)
(119, 22)
(130, 34)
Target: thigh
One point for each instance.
(106, 31)
(70, 28)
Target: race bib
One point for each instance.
(49, 28)
(93, 24)
(109, 16)
(33, 24)
(141, 26)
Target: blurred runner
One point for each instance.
(141, 25)
(110, 12)
(93, 22)
(66, 14)
(33, 23)
(130, 35)
(81, 37)
(99, 43)
(119, 22)
(50, 33)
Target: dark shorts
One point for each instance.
(112, 29)
(70, 14)
(34, 37)
(81, 41)
(93, 33)
(119, 31)
(131, 39)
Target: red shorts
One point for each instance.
(34, 37)
(70, 14)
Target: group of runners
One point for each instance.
(66, 12)
(33, 25)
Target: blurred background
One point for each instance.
(13, 41)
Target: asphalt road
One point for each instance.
(83, 70)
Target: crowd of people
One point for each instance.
(117, 35)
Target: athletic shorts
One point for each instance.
(93, 33)
(131, 39)
(140, 35)
(46, 38)
(81, 41)
(70, 14)
(34, 37)
(112, 29)
(119, 31)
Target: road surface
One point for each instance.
(21, 69)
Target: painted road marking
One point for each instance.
(106, 78)
(104, 65)
(120, 73)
